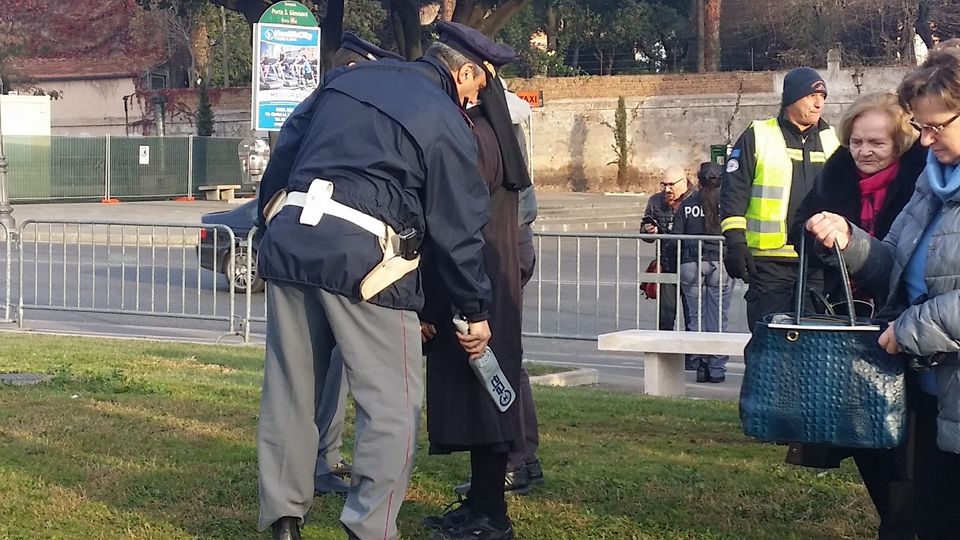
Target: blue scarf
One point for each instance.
(944, 179)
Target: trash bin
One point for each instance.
(719, 153)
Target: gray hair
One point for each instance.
(450, 57)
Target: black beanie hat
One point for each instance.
(801, 82)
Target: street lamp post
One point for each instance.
(857, 77)
(6, 210)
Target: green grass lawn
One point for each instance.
(137, 439)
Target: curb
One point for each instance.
(577, 377)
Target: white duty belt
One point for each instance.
(317, 201)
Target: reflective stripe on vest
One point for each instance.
(766, 216)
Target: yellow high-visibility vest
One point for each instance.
(766, 217)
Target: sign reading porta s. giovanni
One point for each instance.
(286, 63)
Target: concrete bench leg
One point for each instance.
(663, 374)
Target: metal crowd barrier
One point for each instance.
(260, 315)
(583, 285)
(7, 291)
(142, 269)
(589, 284)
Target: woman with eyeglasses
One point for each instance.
(867, 181)
(917, 265)
(704, 283)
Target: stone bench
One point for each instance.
(663, 352)
(220, 192)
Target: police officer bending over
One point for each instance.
(387, 160)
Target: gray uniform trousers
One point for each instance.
(705, 309)
(330, 417)
(382, 356)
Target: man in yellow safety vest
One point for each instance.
(769, 171)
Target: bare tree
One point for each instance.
(185, 34)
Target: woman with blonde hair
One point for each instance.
(867, 181)
(917, 267)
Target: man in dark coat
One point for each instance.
(387, 149)
(461, 416)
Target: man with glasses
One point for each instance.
(658, 219)
(769, 171)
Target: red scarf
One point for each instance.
(873, 191)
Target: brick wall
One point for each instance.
(648, 85)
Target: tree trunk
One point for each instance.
(907, 51)
(446, 9)
(922, 24)
(711, 36)
(397, 28)
(199, 50)
(407, 17)
(551, 28)
(462, 10)
(332, 25)
(701, 38)
(575, 57)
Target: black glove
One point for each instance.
(738, 259)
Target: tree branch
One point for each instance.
(500, 16)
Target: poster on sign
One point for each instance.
(286, 63)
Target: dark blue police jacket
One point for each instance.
(391, 138)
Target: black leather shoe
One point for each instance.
(703, 372)
(286, 528)
(719, 379)
(454, 515)
(514, 483)
(479, 527)
(534, 473)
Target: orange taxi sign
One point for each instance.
(534, 97)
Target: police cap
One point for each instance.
(352, 42)
(475, 45)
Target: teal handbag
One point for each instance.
(822, 379)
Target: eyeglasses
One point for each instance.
(935, 129)
(665, 185)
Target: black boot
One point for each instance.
(703, 372)
(534, 472)
(286, 528)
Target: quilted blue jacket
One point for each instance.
(934, 325)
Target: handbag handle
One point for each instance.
(802, 282)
